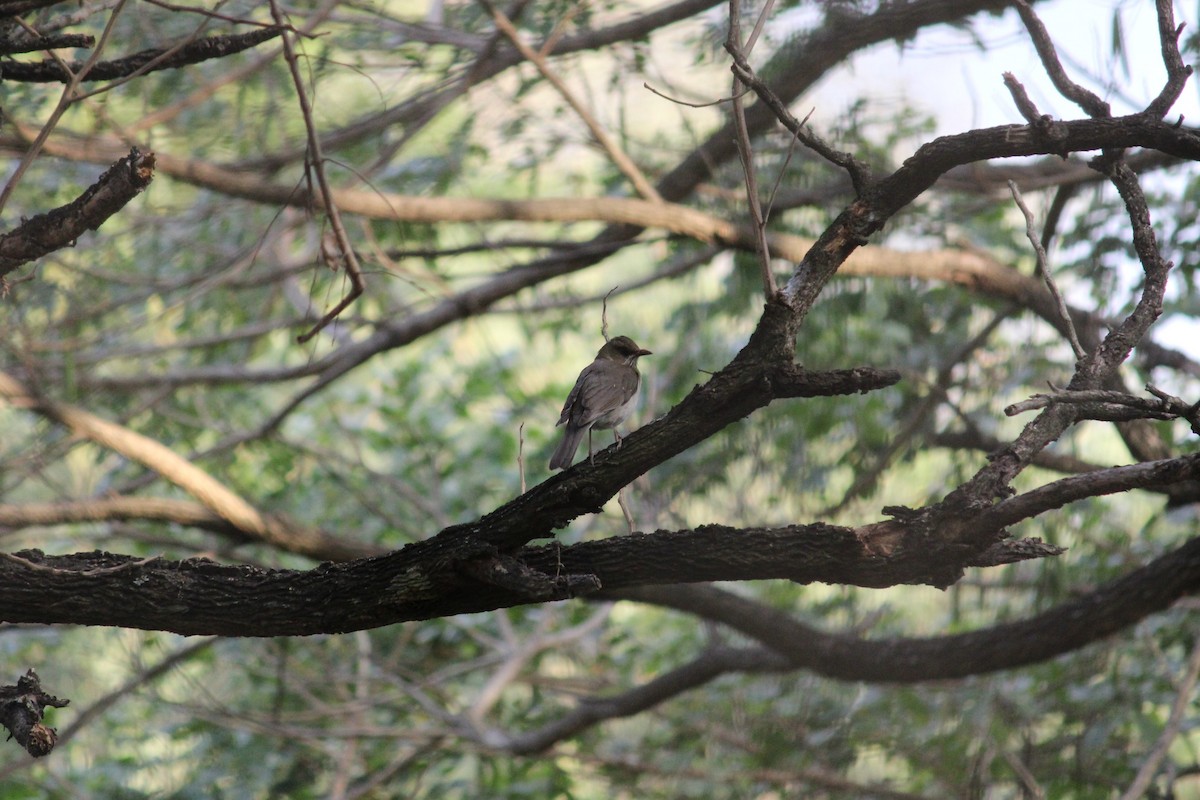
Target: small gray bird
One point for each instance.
(603, 397)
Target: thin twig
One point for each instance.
(317, 162)
(677, 101)
(783, 169)
(859, 172)
(623, 162)
(521, 454)
(64, 102)
(745, 150)
(625, 508)
(1044, 269)
(1020, 96)
(604, 313)
(1183, 701)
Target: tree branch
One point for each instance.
(159, 58)
(441, 577)
(1061, 629)
(211, 493)
(59, 228)
(21, 710)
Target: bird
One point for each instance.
(603, 396)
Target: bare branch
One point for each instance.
(1179, 711)
(538, 59)
(59, 228)
(284, 534)
(1066, 627)
(212, 494)
(746, 153)
(316, 163)
(158, 58)
(860, 173)
(1110, 405)
(31, 42)
(1044, 271)
(1177, 72)
(1087, 100)
(709, 665)
(457, 572)
(1090, 484)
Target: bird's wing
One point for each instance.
(608, 386)
(573, 399)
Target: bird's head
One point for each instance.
(623, 349)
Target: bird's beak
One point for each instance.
(641, 353)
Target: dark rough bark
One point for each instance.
(158, 58)
(448, 575)
(21, 710)
(1062, 629)
(30, 43)
(59, 228)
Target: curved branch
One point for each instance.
(284, 534)
(30, 43)
(709, 665)
(211, 493)
(1062, 629)
(920, 172)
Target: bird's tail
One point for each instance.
(565, 453)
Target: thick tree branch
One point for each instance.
(1061, 629)
(159, 58)
(440, 577)
(1091, 484)
(794, 645)
(12, 8)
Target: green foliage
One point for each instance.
(179, 318)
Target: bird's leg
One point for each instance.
(616, 437)
(591, 460)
